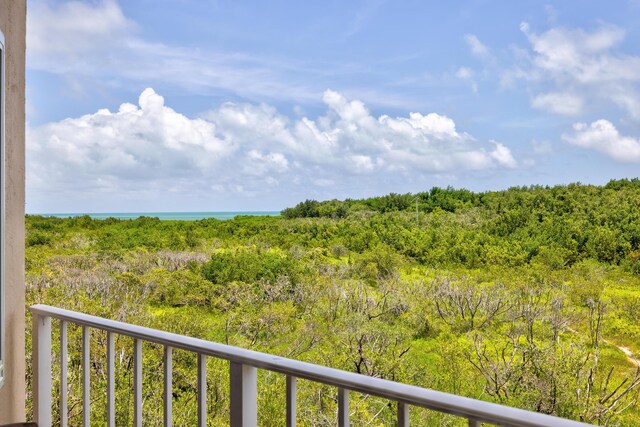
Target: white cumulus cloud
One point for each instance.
(602, 136)
(583, 56)
(137, 145)
(246, 149)
(585, 68)
(503, 155)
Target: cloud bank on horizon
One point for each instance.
(254, 126)
(246, 148)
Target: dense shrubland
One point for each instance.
(524, 297)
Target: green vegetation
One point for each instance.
(525, 297)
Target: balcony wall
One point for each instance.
(13, 25)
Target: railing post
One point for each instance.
(474, 423)
(64, 407)
(86, 376)
(343, 407)
(202, 390)
(168, 386)
(111, 390)
(244, 395)
(403, 414)
(291, 401)
(41, 339)
(137, 382)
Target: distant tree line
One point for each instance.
(450, 199)
(557, 226)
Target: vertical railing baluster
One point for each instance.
(137, 382)
(168, 386)
(244, 395)
(291, 401)
(86, 376)
(111, 395)
(41, 341)
(202, 390)
(403, 414)
(474, 423)
(343, 407)
(64, 409)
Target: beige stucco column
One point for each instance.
(12, 393)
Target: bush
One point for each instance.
(248, 266)
(35, 238)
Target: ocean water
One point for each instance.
(180, 216)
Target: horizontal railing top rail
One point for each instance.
(475, 410)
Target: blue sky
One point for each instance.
(197, 105)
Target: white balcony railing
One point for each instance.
(243, 379)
